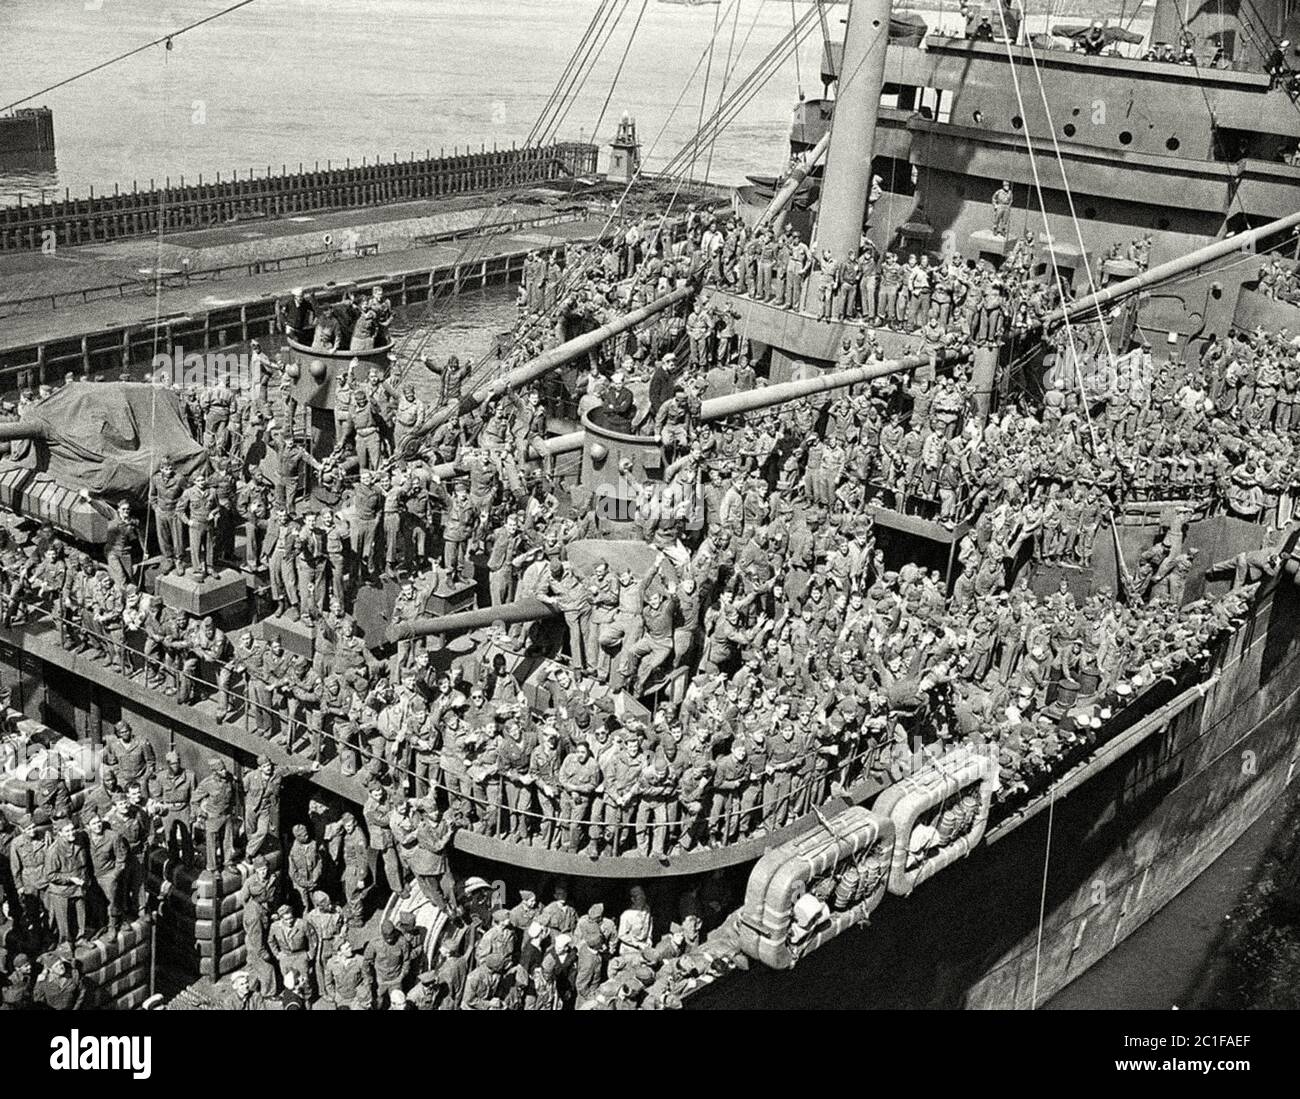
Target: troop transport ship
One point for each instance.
(929, 891)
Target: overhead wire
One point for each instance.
(165, 39)
(704, 90)
(564, 75)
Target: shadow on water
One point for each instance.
(1230, 940)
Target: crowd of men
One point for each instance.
(780, 656)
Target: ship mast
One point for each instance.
(846, 184)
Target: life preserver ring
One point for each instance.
(939, 815)
(810, 889)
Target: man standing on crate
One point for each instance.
(214, 798)
(109, 863)
(175, 794)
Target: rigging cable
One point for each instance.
(619, 71)
(704, 90)
(722, 92)
(166, 40)
(590, 67)
(1060, 289)
(568, 68)
(798, 78)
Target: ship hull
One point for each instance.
(1122, 845)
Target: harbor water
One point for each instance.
(261, 88)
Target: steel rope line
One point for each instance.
(722, 92)
(798, 78)
(679, 174)
(748, 87)
(567, 79)
(739, 98)
(600, 118)
(555, 91)
(166, 38)
(582, 268)
(591, 261)
(586, 67)
(1069, 194)
(601, 46)
(1060, 289)
(153, 389)
(781, 47)
(704, 90)
(640, 170)
(476, 243)
(1042, 897)
(1214, 122)
(748, 35)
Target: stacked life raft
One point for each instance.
(115, 968)
(24, 772)
(201, 914)
(814, 887)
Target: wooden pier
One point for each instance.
(108, 336)
(185, 206)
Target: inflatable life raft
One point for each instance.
(24, 762)
(115, 968)
(939, 815)
(201, 919)
(812, 888)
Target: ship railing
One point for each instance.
(806, 792)
(815, 779)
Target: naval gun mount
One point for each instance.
(607, 483)
(74, 455)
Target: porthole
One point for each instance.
(1125, 138)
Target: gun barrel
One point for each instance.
(20, 430)
(521, 610)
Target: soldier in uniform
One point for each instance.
(27, 854)
(122, 537)
(262, 791)
(65, 883)
(132, 757)
(365, 425)
(356, 876)
(368, 502)
(459, 519)
(214, 798)
(289, 942)
(175, 795)
(306, 866)
(198, 511)
(1002, 200)
(166, 488)
(109, 864)
(348, 984)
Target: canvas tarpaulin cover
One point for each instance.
(109, 437)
